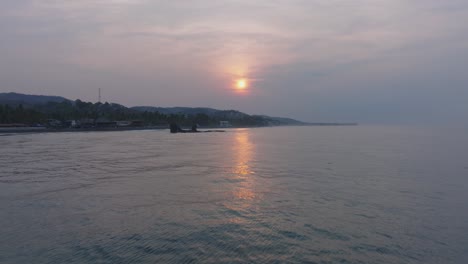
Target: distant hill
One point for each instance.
(279, 121)
(29, 100)
(176, 110)
(42, 107)
(215, 113)
(230, 114)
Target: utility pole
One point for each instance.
(99, 95)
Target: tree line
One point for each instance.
(79, 110)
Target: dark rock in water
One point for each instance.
(176, 129)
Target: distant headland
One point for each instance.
(28, 113)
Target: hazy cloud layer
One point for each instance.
(317, 60)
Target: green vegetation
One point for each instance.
(54, 111)
(19, 114)
(79, 110)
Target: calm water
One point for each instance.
(269, 195)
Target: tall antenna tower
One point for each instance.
(99, 95)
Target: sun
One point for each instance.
(241, 84)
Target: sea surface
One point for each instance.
(338, 194)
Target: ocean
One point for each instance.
(319, 194)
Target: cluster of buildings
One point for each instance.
(90, 123)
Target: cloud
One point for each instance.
(337, 52)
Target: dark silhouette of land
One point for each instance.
(19, 112)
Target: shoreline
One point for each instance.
(18, 130)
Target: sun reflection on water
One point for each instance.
(243, 150)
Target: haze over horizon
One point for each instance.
(387, 61)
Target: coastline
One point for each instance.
(15, 130)
(18, 130)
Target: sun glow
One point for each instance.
(241, 84)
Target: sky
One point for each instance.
(368, 61)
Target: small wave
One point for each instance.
(326, 233)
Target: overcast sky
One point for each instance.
(315, 60)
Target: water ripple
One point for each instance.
(276, 195)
